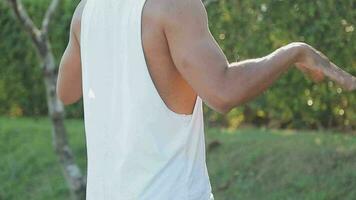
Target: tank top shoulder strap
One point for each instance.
(148, 79)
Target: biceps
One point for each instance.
(201, 54)
(201, 62)
(69, 77)
(71, 60)
(71, 57)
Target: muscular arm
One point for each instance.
(197, 56)
(247, 79)
(69, 82)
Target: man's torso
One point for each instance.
(177, 94)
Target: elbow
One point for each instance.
(223, 109)
(222, 102)
(65, 98)
(225, 99)
(223, 106)
(65, 101)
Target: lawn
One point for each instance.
(244, 164)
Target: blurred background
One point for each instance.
(296, 141)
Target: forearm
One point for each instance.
(245, 80)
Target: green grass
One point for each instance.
(247, 164)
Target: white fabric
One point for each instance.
(137, 148)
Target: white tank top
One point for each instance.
(137, 148)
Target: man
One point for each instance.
(143, 69)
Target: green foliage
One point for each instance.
(248, 164)
(244, 29)
(21, 86)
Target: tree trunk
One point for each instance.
(70, 170)
(39, 37)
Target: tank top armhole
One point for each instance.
(159, 100)
(83, 26)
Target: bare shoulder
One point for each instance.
(187, 12)
(76, 19)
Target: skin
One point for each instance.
(69, 81)
(186, 62)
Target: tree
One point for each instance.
(40, 39)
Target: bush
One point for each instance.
(22, 90)
(244, 29)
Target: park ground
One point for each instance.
(248, 163)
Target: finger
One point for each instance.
(343, 78)
(335, 73)
(352, 86)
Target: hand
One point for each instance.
(316, 65)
